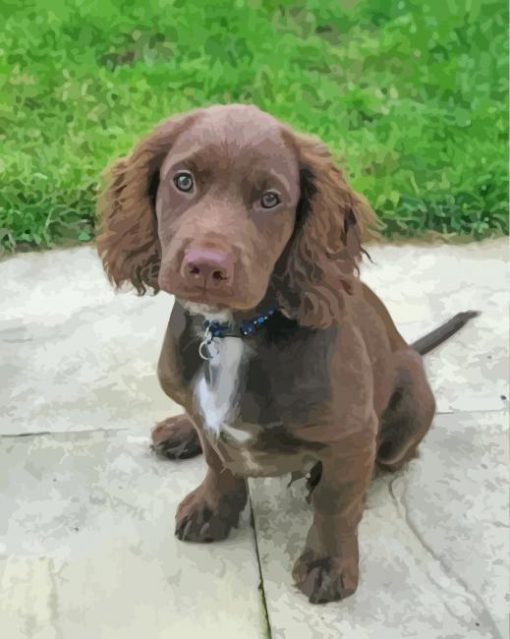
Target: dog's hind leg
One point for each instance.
(409, 414)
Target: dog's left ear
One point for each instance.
(321, 259)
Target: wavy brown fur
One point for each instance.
(128, 243)
(324, 252)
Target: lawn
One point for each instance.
(410, 95)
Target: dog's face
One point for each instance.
(226, 207)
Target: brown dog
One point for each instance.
(283, 361)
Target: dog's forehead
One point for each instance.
(237, 133)
(238, 119)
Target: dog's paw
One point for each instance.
(176, 438)
(204, 518)
(324, 579)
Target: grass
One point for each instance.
(411, 96)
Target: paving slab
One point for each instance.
(433, 543)
(74, 355)
(87, 546)
(424, 286)
(61, 326)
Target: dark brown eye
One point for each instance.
(184, 181)
(270, 200)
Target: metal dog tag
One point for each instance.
(208, 348)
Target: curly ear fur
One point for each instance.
(128, 242)
(322, 257)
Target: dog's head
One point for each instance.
(225, 208)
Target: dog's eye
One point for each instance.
(270, 200)
(184, 181)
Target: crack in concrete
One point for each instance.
(481, 411)
(267, 625)
(65, 433)
(118, 430)
(482, 613)
(55, 622)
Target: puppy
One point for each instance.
(282, 359)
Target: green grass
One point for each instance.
(411, 96)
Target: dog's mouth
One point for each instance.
(207, 310)
(236, 295)
(203, 305)
(205, 301)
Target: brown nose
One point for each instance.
(207, 267)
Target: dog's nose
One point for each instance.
(208, 267)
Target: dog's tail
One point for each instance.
(439, 335)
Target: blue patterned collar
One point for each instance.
(245, 328)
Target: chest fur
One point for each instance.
(219, 384)
(253, 404)
(252, 398)
(246, 442)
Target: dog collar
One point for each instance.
(218, 330)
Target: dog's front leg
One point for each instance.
(327, 569)
(211, 510)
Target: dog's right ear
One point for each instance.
(127, 240)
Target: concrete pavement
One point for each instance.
(86, 511)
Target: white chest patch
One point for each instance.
(216, 393)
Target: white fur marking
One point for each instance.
(237, 434)
(208, 312)
(249, 464)
(216, 397)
